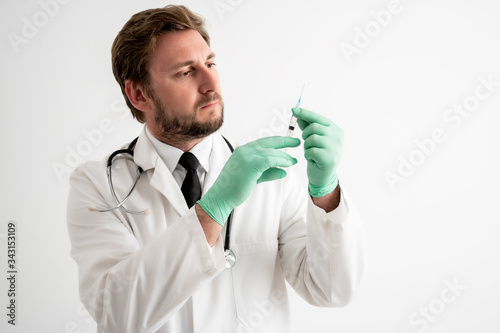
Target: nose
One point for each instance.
(209, 80)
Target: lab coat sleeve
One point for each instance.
(324, 259)
(126, 287)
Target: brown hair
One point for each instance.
(134, 44)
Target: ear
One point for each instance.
(136, 96)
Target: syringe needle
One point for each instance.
(300, 97)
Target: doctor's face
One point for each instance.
(185, 88)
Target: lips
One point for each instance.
(209, 101)
(209, 105)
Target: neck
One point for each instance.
(183, 144)
(179, 141)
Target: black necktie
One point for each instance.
(191, 187)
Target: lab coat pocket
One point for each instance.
(253, 279)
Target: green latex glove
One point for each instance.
(323, 142)
(256, 162)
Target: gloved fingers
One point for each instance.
(302, 124)
(276, 142)
(271, 174)
(272, 158)
(321, 158)
(249, 162)
(316, 141)
(255, 162)
(317, 130)
(310, 116)
(331, 130)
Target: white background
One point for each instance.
(439, 224)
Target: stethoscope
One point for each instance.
(120, 154)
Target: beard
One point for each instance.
(185, 127)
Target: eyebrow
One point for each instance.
(189, 62)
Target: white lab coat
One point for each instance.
(156, 273)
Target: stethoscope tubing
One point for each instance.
(228, 253)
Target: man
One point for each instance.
(166, 271)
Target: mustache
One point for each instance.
(207, 99)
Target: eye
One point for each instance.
(186, 73)
(212, 64)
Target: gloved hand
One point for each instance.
(323, 142)
(257, 161)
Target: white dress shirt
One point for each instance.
(171, 155)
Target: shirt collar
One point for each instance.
(171, 155)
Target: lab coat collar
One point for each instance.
(146, 156)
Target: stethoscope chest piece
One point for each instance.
(230, 258)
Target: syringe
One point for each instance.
(293, 120)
